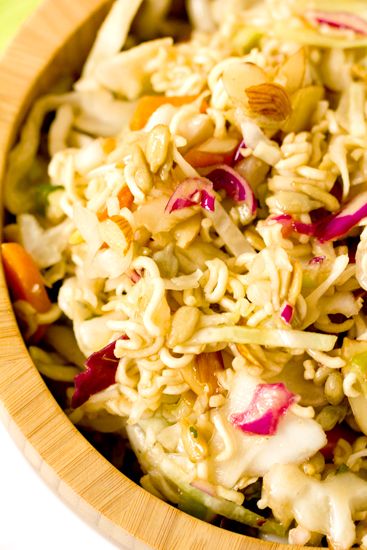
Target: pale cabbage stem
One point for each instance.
(293, 339)
(112, 35)
(228, 443)
(340, 265)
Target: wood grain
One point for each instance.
(57, 38)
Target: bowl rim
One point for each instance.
(95, 489)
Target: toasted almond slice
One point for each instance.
(201, 376)
(208, 365)
(237, 77)
(304, 104)
(216, 145)
(269, 100)
(190, 375)
(117, 233)
(292, 73)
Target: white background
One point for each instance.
(32, 517)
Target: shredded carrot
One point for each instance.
(148, 104)
(23, 277)
(126, 199)
(108, 145)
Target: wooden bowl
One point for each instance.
(56, 38)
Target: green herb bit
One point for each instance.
(194, 431)
(342, 469)
(42, 193)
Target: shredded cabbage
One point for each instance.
(311, 37)
(46, 246)
(232, 237)
(293, 339)
(111, 36)
(153, 458)
(327, 507)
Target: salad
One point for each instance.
(186, 249)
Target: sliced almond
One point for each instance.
(216, 145)
(190, 375)
(292, 73)
(269, 100)
(304, 103)
(208, 365)
(201, 375)
(237, 77)
(117, 233)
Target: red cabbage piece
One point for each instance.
(334, 226)
(99, 375)
(269, 403)
(338, 20)
(317, 260)
(338, 225)
(299, 227)
(133, 275)
(204, 486)
(286, 313)
(235, 186)
(191, 192)
(238, 155)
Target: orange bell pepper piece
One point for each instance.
(23, 277)
(150, 103)
(126, 199)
